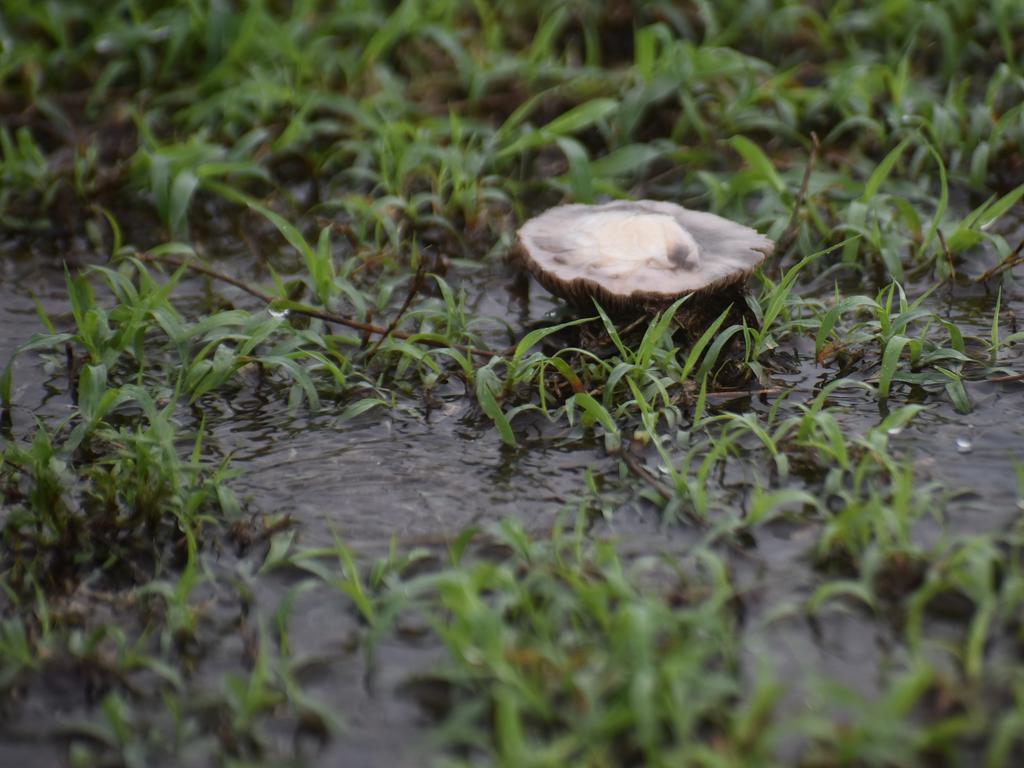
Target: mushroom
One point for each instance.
(638, 256)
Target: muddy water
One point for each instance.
(420, 476)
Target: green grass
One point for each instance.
(303, 203)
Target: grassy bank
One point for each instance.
(798, 539)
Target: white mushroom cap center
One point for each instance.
(631, 240)
(650, 249)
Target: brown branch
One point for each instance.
(632, 462)
(1009, 262)
(789, 234)
(731, 393)
(643, 186)
(220, 276)
(949, 256)
(329, 317)
(414, 288)
(364, 338)
(340, 228)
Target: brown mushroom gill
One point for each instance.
(635, 254)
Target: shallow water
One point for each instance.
(418, 477)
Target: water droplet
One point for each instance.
(963, 445)
(893, 431)
(278, 312)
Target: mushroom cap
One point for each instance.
(630, 254)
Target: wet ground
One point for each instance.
(419, 475)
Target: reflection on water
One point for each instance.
(382, 476)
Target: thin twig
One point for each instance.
(632, 462)
(1009, 262)
(329, 317)
(646, 184)
(949, 256)
(729, 393)
(364, 338)
(790, 233)
(197, 267)
(340, 228)
(634, 325)
(414, 288)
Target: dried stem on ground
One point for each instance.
(1011, 261)
(790, 233)
(949, 257)
(414, 288)
(634, 465)
(329, 317)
